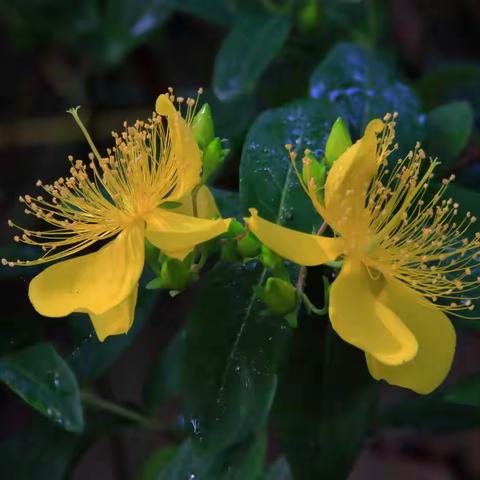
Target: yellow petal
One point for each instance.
(91, 283)
(173, 233)
(348, 180)
(118, 319)
(206, 205)
(435, 336)
(362, 320)
(184, 149)
(302, 248)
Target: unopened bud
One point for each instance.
(174, 275)
(248, 246)
(202, 126)
(213, 157)
(280, 296)
(313, 170)
(338, 141)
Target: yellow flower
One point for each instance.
(406, 259)
(124, 197)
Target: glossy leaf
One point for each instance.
(324, 405)
(448, 129)
(40, 451)
(465, 392)
(229, 377)
(246, 53)
(157, 462)
(93, 358)
(227, 202)
(267, 179)
(43, 379)
(360, 87)
(165, 375)
(431, 413)
(126, 24)
(242, 462)
(279, 470)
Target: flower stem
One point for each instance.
(74, 113)
(149, 423)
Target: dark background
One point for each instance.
(55, 54)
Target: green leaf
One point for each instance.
(324, 404)
(279, 470)
(450, 81)
(40, 451)
(267, 179)
(431, 413)
(93, 358)
(246, 53)
(465, 392)
(360, 87)
(170, 205)
(243, 462)
(229, 376)
(165, 376)
(126, 24)
(227, 202)
(448, 129)
(157, 462)
(43, 379)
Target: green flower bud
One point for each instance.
(279, 296)
(202, 126)
(174, 275)
(270, 259)
(235, 228)
(152, 257)
(248, 246)
(338, 141)
(313, 169)
(213, 157)
(229, 252)
(308, 16)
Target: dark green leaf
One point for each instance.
(360, 87)
(43, 379)
(127, 23)
(170, 205)
(450, 81)
(279, 470)
(242, 462)
(157, 462)
(448, 129)
(229, 376)
(465, 392)
(164, 382)
(431, 413)
(40, 451)
(246, 53)
(267, 179)
(324, 404)
(227, 202)
(93, 358)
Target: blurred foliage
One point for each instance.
(225, 380)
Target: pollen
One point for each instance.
(418, 241)
(103, 196)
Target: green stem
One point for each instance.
(149, 423)
(74, 113)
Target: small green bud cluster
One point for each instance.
(213, 152)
